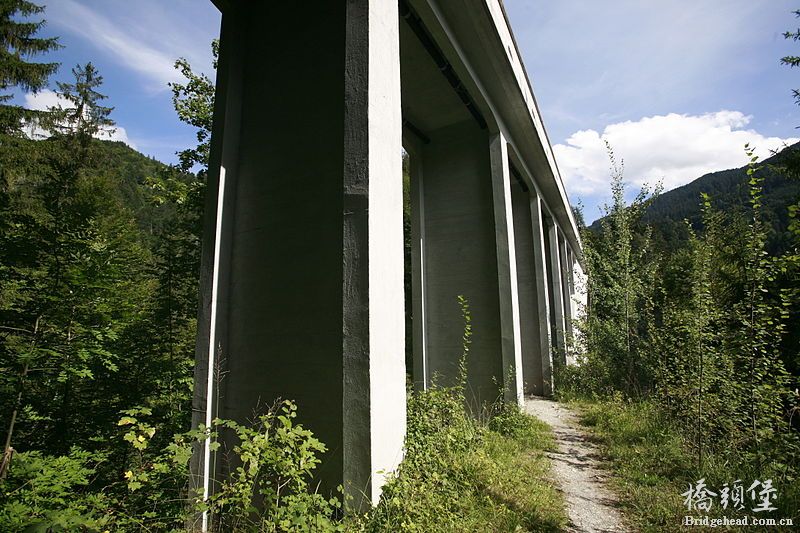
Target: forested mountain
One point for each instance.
(124, 166)
(729, 192)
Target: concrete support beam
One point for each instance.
(511, 343)
(302, 287)
(421, 376)
(460, 258)
(557, 292)
(566, 287)
(526, 282)
(545, 346)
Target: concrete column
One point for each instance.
(511, 343)
(216, 245)
(573, 289)
(526, 282)
(460, 258)
(557, 291)
(302, 290)
(545, 346)
(566, 287)
(421, 376)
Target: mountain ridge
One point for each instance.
(729, 191)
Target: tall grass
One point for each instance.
(654, 464)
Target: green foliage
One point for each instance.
(269, 486)
(18, 44)
(619, 322)
(713, 346)
(47, 493)
(793, 61)
(71, 255)
(97, 314)
(83, 117)
(194, 104)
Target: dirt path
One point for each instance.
(591, 507)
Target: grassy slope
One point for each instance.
(653, 466)
(463, 475)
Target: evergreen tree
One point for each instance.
(71, 257)
(18, 44)
(83, 117)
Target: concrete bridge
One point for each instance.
(302, 285)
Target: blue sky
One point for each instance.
(677, 87)
(134, 45)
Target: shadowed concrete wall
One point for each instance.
(543, 296)
(460, 258)
(528, 299)
(510, 329)
(566, 289)
(420, 375)
(311, 285)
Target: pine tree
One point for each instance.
(72, 257)
(84, 117)
(18, 43)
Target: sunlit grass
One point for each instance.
(464, 475)
(653, 465)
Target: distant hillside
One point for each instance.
(728, 190)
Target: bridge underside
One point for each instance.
(302, 280)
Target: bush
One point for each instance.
(49, 493)
(270, 489)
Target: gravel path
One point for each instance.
(591, 506)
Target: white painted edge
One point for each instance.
(211, 343)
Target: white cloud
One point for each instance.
(44, 100)
(106, 35)
(673, 149)
(145, 36)
(117, 133)
(595, 63)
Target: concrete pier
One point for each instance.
(557, 292)
(526, 283)
(302, 272)
(543, 294)
(505, 242)
(460, 259)
(307, 280)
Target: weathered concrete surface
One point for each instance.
(460, 258)
(373, 327)
(538, 228)
(510, 334)
(310, 263)
(590, 505)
